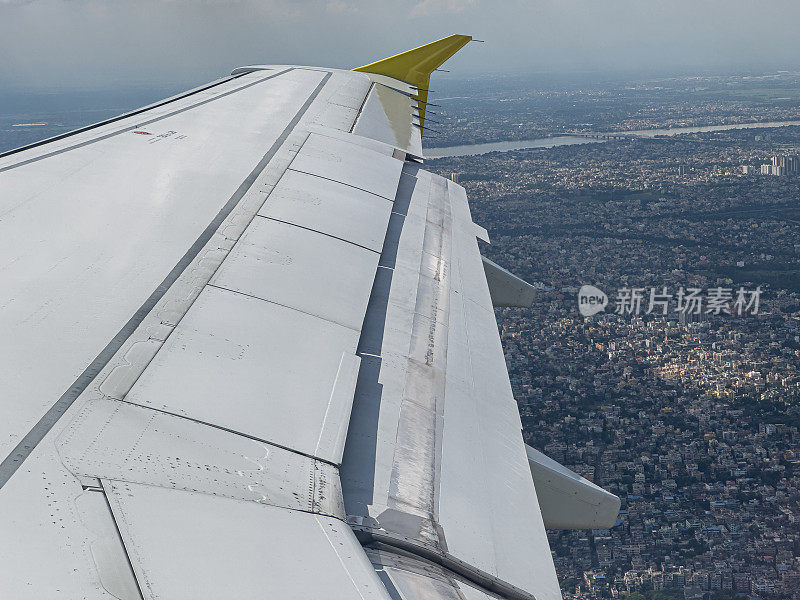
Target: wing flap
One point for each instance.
(506, 288)
(435, 430)
(310, 272)
(409, 579)
(212, 369)
(118, 441)
(350, 214)
(185, 545)
(482, 446)
(567, 500)
(343, 161)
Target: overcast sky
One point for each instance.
(78, 43)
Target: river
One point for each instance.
(571, 140)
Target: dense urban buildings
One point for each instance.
(692, 416)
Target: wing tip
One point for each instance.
(422, 60)
(416, 65)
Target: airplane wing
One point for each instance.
(250, 351)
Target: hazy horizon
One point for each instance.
(74, 44)
(442, 82)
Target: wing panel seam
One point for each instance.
(104, 492)
(254, 297)
(312, 230)
(229, 430)
(355, 187)
(361, 108)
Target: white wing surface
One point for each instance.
(250, 351)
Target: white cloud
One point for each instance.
(430, 7)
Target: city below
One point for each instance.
(691, 417)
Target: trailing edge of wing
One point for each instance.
(415, 66)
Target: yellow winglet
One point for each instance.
(415, 66)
